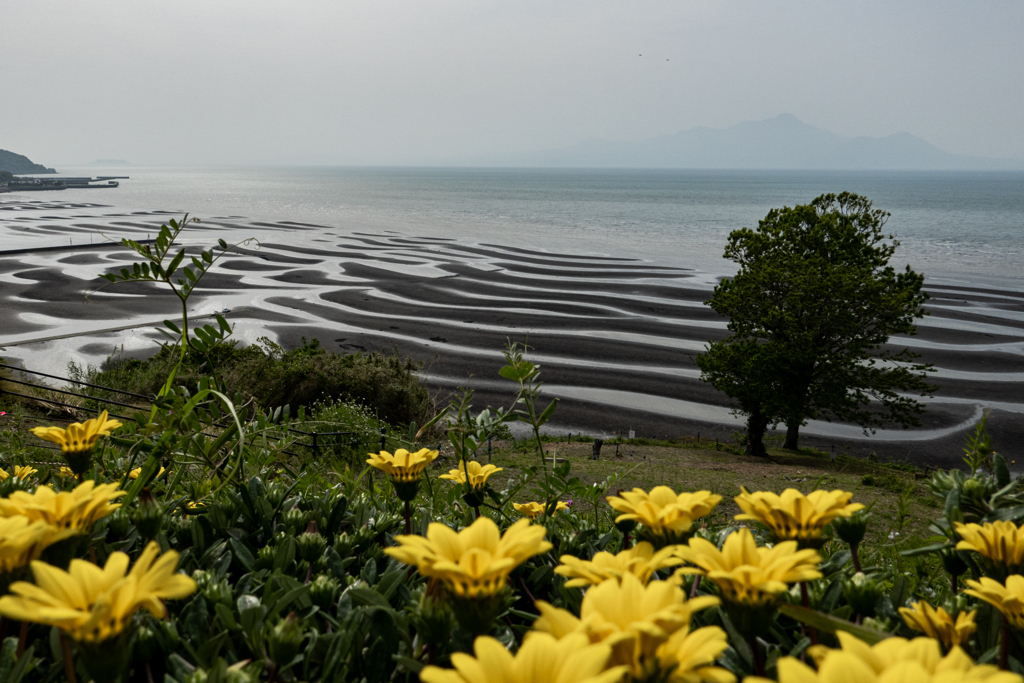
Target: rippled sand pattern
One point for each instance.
(615, 336)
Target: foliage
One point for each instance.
(814, 301)
(269, 376)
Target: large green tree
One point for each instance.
(811, 308)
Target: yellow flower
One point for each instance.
(1008, 598)
(4, 474)
(794, 516)
(634, 619)
(24, 472)
(534, 510)
(690, 654)
(478, 474)
(1002, 543)
(937, 623)
(20, 542)
(134, 474)
(474, 562)
(541, 659)
(66, 471)
(893, 660)
(403, 466)
(79, 436)
(666, 517)
(92, 604)
(640, 560)
(66, 513)
(747, 574)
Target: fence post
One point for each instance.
(383, 438)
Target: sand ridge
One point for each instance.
(616, 336)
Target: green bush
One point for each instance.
(271, 376)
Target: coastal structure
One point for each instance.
(33, 184)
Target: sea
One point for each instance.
(955, 227)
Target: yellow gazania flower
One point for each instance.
(640, 560)
(66, 513)
(66, 471)
(1008, 598)
(477, 474)
(534, 510)
(24, 472)
(541, 658)
(691, 654)
(937, 623)
(403, 466)
(634, 619)
(4, 474)
(476, 561)
(794, 516)
(666, 516)
(134, 474)
(92, 604)
(893, 660)
(1002, 542)
(79, 436)
(747, 574)
(20, 542)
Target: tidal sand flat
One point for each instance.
(615, 336)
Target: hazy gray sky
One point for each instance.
(413, 81)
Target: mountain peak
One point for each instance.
(782, 142)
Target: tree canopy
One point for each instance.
(810, 309)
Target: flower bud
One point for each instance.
(284, 640)
(433, 619)
(294, 519)
(851, 529)
(310, 545)
(862, 593)
(265, 557)
(149, 516)
(322, 591)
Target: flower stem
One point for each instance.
(805, 600)
(695, 586)
(856, 556)
(755, 651)
(408, 519)
(22, 638)
(1004, 646)
(69, 663)
(955, 583)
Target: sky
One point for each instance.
(413, 82)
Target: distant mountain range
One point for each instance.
(16, 163)
(784, 142)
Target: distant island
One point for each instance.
(784, 142)
(18, 163)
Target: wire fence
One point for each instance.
(316, 443)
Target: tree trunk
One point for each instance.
(792, 435)
(756, 426)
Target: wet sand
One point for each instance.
(615, 336)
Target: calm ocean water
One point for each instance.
(964, 227)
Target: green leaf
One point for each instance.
(173, 327)
(367, 596)
(548, 412)
(934, 548)
(243, 554)
(830, 624)
(175, 262)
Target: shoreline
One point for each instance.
(615, 335)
